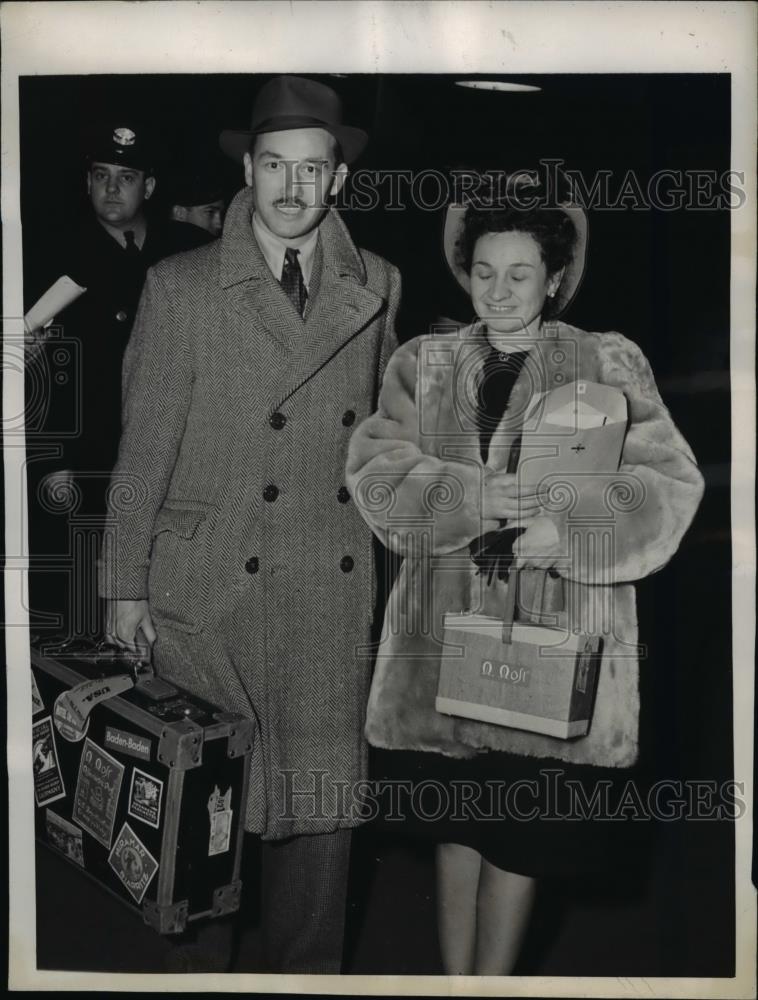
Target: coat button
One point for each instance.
(346, 564)
(121, 316)
(252, 564)
(348, 418)
(277, 421)
(343, 494)
(270, 493)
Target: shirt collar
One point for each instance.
(272, 248)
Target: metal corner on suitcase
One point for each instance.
(181, 745)
(226, 899)
(171, 918)
(241, 732)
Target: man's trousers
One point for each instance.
(301, 886)
(303, 901)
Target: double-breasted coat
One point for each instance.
(230, 510)
(417, 474)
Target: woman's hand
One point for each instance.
(504, 500)
(539, 546)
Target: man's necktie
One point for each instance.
(131, 246)
(292, 280)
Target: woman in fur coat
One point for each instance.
(433, 472)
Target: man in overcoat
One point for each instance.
(236, 546)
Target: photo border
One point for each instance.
(352, 37)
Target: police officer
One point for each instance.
(104, 261)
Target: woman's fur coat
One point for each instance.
(415, 471)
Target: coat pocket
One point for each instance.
(179, 572)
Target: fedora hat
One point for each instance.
(291, 102)
(532, 189)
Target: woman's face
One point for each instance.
(509, 281)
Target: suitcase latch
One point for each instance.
(151, 686)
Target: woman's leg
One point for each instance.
(458, 869)
(504, 906)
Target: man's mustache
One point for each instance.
(290, 203)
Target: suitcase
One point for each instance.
(139, 783)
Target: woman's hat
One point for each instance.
(291, 102)
(527, 191)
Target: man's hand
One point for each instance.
(504, 500)
(34, 341)
(539, 546)
(126, 619)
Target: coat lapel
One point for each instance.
(340, 305)
(255, 296)
(450, 372)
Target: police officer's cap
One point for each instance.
(122, 142)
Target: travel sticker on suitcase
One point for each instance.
(132, 862)
(70, 724)
(145, 797)
(65, 836)
(38, 704)
(219, 809)
(97, 791)
(48, 780)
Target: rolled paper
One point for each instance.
(59, 295)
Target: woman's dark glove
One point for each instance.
(493, 552)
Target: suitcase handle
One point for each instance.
(509, 611)
(510, 608)
(137, 671)
(140, 670)
(144, 678)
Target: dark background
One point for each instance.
(662, 279)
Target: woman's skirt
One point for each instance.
(535, 817)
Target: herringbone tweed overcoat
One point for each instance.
(229, 505)
(417, 475)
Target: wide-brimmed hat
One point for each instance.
(527, 192)
(124, 142)
(292, 102)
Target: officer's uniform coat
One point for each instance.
(84, 358)
(230, 506)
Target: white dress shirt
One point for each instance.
(273, 247)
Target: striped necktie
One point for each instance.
(292, 280)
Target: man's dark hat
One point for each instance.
(124, 143)
(291, 102)
(198, 187)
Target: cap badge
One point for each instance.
(124, 137)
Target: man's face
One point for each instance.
(210, 216)
(118, 193)
(292, 174)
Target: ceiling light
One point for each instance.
(496, 85)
